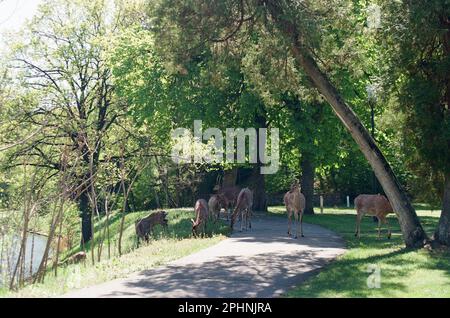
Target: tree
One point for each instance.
(168, 96)
(186, 25)
(412, 230)
(61, 61)
(418, 82)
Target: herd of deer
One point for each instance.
(242, 201)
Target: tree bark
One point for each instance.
(86, 226)
(258, 179)
(413, 233)
(307, 185)
(230, 177)
(442, 234)
(258, 183)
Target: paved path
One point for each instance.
(261, 263)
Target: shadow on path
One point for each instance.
(263, 262)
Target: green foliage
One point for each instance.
(415, 46)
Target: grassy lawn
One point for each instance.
(163, 248)
(404, 273)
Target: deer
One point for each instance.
(201, 213)
(373, 205)
(144, 227)
(295, 203)
(244, 207)
(75, 259)
(230, 195)
(216, 203)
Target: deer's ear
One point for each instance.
(193, 222)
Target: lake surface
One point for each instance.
(9, 259)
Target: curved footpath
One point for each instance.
(263, 262)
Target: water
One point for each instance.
(9, 259)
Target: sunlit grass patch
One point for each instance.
(403, 272)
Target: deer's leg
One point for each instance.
(289, 222)
(233, 217)
(246, 219)
(379, 227)
(301, 223)
(358, 224)
(297, 223)
(385, 221)
(389, 228)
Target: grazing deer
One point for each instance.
(374, 205)
(144, 227)
(244, 206)
(295, 204)
(201, 212)
(75, 259)
(230, 196)
(216, 203)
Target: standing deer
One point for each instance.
(216, 203)
(144, 227)
(295, 204)
(230, 196)
(201, 212)
(374, 205)
(244, 207)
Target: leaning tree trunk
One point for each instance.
(413, 233)
(308, 182)
(442, 234)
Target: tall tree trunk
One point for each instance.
(442, 234)
(86, 226)
(258, 180)
(307, 185)
(230, 177)
(413, 233)
(258, 185)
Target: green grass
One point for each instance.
(404, 272)
(163, 248)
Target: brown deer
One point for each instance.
(75, 259)
(230, 195)
(374, 205)
(244, 207)
(144, 227)
(201, 212)
(216, 203)
(295, 204)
